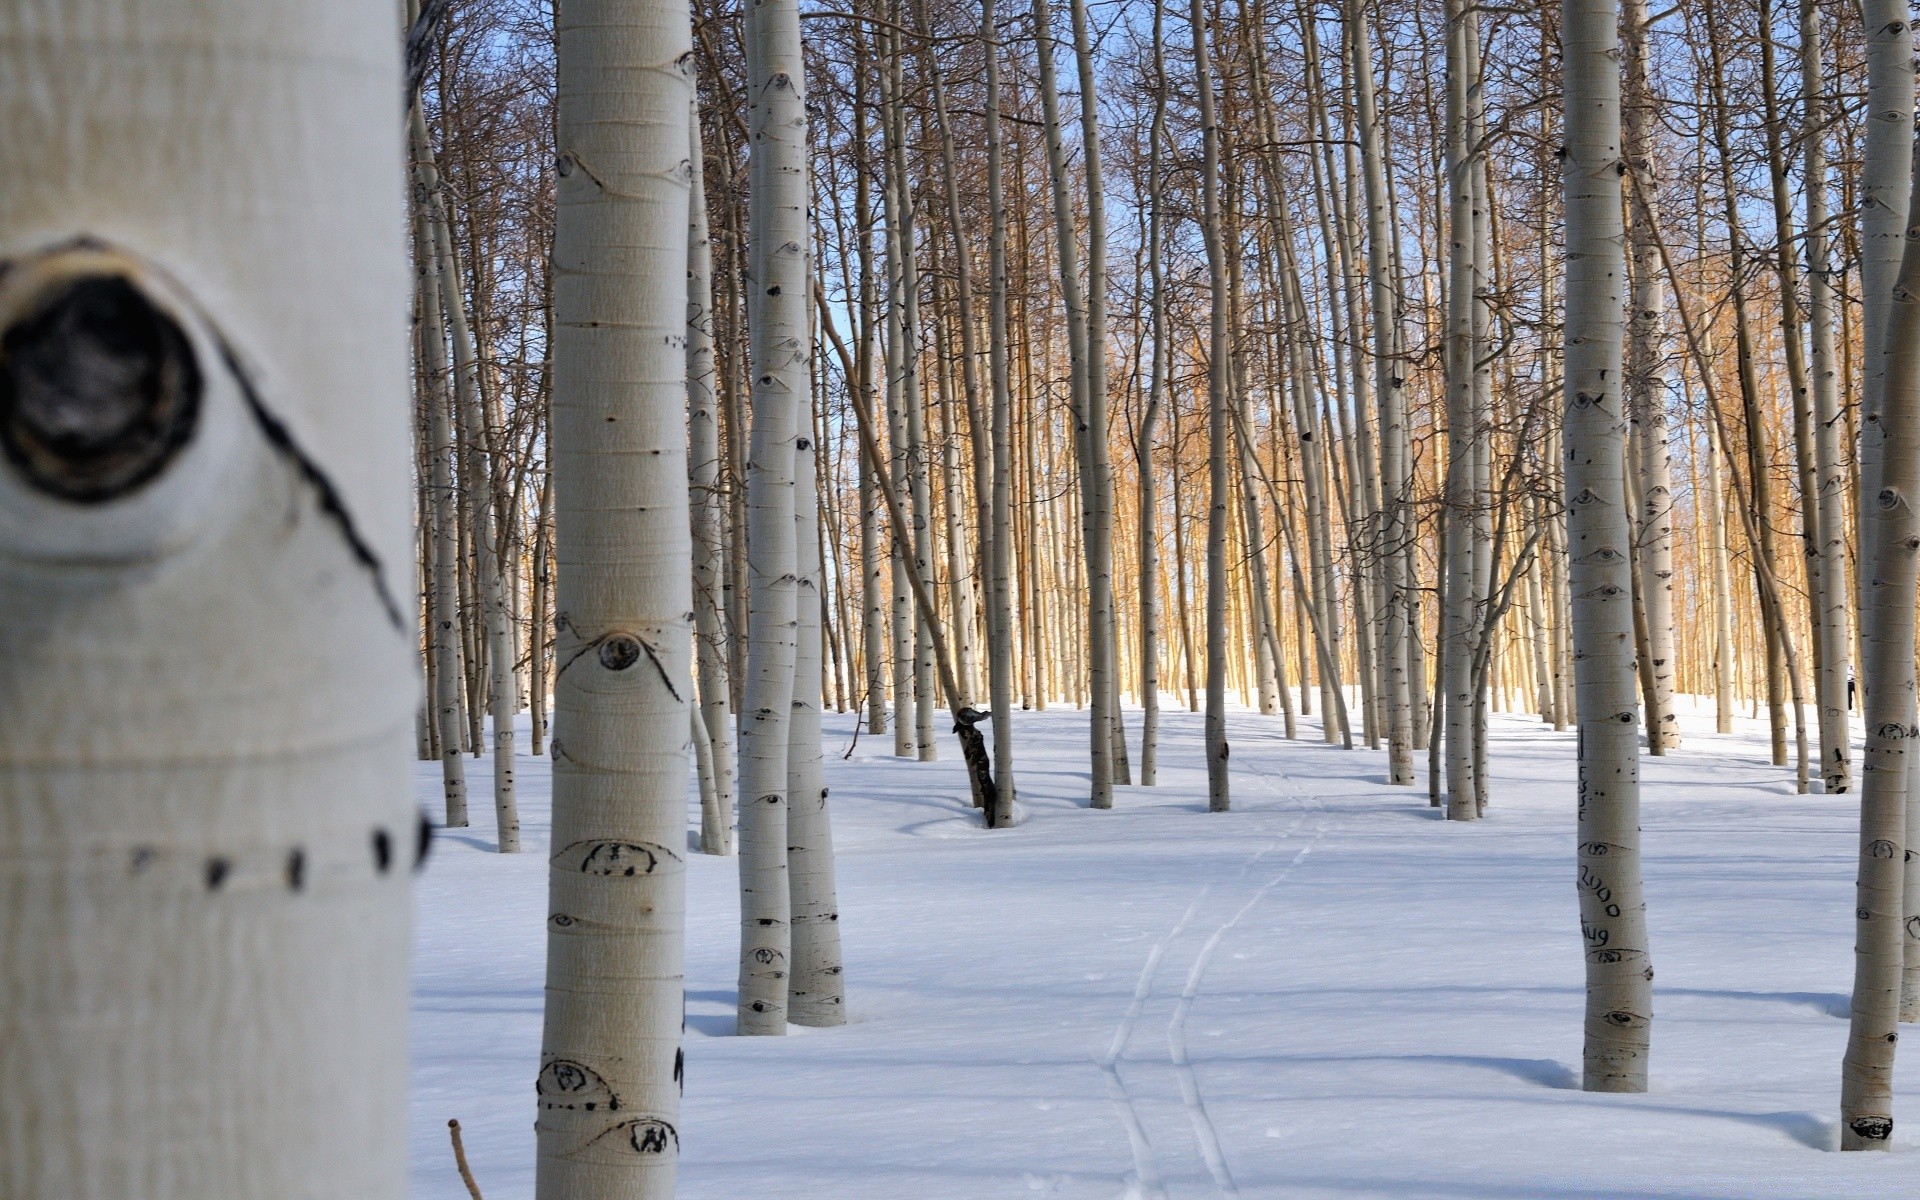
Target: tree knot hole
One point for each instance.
(619, 652)
(99, 386)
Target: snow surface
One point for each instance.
(1327, 992)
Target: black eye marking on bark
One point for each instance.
(607, 858)
(619, 652)
(650, 1135)
(1874, 1129)
(99, 390)
(565, 1083)
(297, 869)
(382, 851)
(217, 869)
(422, 842)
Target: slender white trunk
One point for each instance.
(1000, 600)
(449, 671)
(1888, 561)
(1646, 380)
(703, 470)
(1461, 494)
(817, 994)
(609, 1084)
(1156, 396)
(1829, 553)
(1715, 499)
(209, 669)
(781, 268)
(1397, 642)
(1218, 413)
(490, 542)
(1612, 903)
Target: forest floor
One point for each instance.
(1327, 992)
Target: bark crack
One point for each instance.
(332, 504)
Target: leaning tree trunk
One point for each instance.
(609, 1084)
(1613, 919)
(207, 653)
(1888, 562)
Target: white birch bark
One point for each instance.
(1612, 903)
(781, 270)
(610, 1066)
(206, 658)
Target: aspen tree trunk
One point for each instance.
(1218, 408)
(1461, 494)
(897, 202)
(448, 670)
(542, 607)
(1888, 561)
(1612, 904)
(1646, 381)
(1772, 626)
(816, 990)
(609, 1084)
(1102, 612)
(872, 589)
(489, 535)
(1828, 499)
(208, 684)
(981, 437)
(780, 330)
(1149, 419)
(703, 460)
(1886, 172)
(917, 555)
(1000, 599)
(1089, 407)
(1395, 531)
(1885, 178)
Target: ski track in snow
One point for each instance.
(1327, 959)
(1146, 1181)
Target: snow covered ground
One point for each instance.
(1327, 992)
